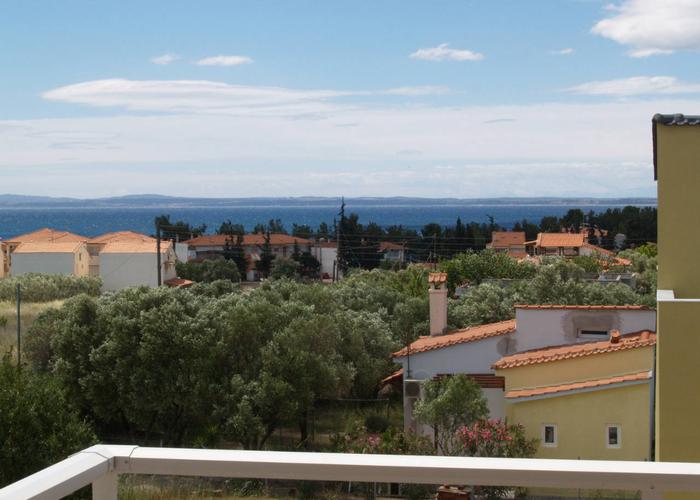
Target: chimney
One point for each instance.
(615, 337)
(438, 303)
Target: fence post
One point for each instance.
(106, 487)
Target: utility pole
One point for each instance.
(160, 277)
(19, 324)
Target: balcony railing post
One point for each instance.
(105, 487)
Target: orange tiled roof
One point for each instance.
(216, 240)
(178, 283)
(438, 278)
(585, 308)
(135, 246)
(48, 247)
(120, 236)
(47, 235)
(388, 245)
(587, 384)
(470, 334)
(557, 240)
(598, 249)
(397, 376)
(507, 238)
(557, 353)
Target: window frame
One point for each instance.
(619, 436)
(593, 335)
(553, 444)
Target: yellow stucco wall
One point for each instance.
(581, 421)
(678, 172)
(678, 368)
(577, 369)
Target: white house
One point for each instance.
(67, 258)
(326, 253)
(474, 350)
(133, 262)
(37, 261)
(394, 252)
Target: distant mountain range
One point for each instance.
(156, 200)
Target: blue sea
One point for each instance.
(94, 221)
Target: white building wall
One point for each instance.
(470, 357)
(45, 263)
(182, 252)
(122, 270)
(537, 328)
(326, 256)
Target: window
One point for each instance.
(593, 333)
(613, 436)
(549, 435)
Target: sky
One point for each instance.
(232, 98)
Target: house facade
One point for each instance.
(588, 401)
(66, 258)
(134, 262)
(394, 252)
(510, 242)
(44, 251)
(475, 351)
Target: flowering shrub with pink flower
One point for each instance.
(391, 442)
(495, 438)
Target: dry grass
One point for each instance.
(29, 313)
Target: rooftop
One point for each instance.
(635, 340)
(48, 247)
(47, 235)
(120, 236)
(217, 240)
(470, 334)
(559, 240)
(585, 307)
(507, 238)
(135, 246)
(576, 386)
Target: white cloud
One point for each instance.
(651, 27)
(444, 53)
(563, 52)
(201, 96)
(419, 90)
(165, 59)
(637, 86)
(224, 61)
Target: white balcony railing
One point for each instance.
(100, 466)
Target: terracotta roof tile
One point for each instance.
(557, 353)
(178, 283)
(397, 376)
(216, 240)
(389, 245)
(585, 307)
(48, 247)
(465, 335)
(557, 240)
(120, 236)
(135, 246)
(47, 235)
(587, 384)
(507, 238)
(438, 278)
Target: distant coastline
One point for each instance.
(174, 202)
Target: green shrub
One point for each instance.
(209, 271)
(38, 426)
(376, 423)
(46, 287)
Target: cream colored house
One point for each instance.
(134, 262)
(39, 251)
(67, 258)
(4, 260)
